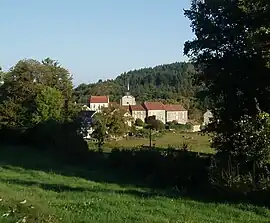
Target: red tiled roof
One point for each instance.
(137, 108)
(174, 108)
(99, 99)
(154, 105)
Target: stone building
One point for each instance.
(97, 102)
(155, 109)
(138, 111)
(127, 99)
(176, 113)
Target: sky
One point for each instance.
(94, 39)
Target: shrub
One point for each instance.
(163, 167)
(139, 122)
(241, 164)
(155, 124)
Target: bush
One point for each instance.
(155, 124)
(59, 136)
(163, 167)
(241, 164)
(139, 122)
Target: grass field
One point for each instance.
(33, 190)
(196, 142)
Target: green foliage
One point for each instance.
(153, 123)
(36, 105)
(235, 75)
(139, 122)
(171, 83)
(100, 130)
(22, 85)
(49, 103)
(110, 122)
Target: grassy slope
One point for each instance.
(196, 142)
(62, 198)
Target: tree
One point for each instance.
(22, 85)
(139, 122)
(231, 52)
(116, 121)
(100, 130)
(153, 123)
(110, 122)
(49, 103)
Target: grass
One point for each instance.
(94, 195)
(196, 142)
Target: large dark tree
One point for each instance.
(231, 50)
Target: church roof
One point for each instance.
(174, 108)
(99, 99)
(154, 105)
(137, 108)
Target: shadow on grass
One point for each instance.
(62, 188)
(171, 173)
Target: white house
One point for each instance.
(97, 102)
(138, 112)
(176, 113)
(155, 109)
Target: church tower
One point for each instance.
(127, 99)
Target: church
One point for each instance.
(127, 99)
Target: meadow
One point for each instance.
(38, 187)
(195, 142)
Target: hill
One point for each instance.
(35, 187)
(172, 83)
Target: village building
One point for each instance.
(96, 103)
(128, 115)
(206, 117)
(128, 99)
(155, 109)
(138, 112)
(176, 113)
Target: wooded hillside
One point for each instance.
(169, 83)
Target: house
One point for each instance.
(206, 117)
(176, 113)
(137, 111)
(156, 109)
(127, 115)
(97, 102)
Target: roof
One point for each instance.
(174, 108)
(125, 107)
(99, 99)
(137, 108)
(154, 105)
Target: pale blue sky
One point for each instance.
(94, 39)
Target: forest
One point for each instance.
(172, 83)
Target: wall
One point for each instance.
(139, 114)
(128, 100)
(180, 116)
(160, 114)
(98, 106)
